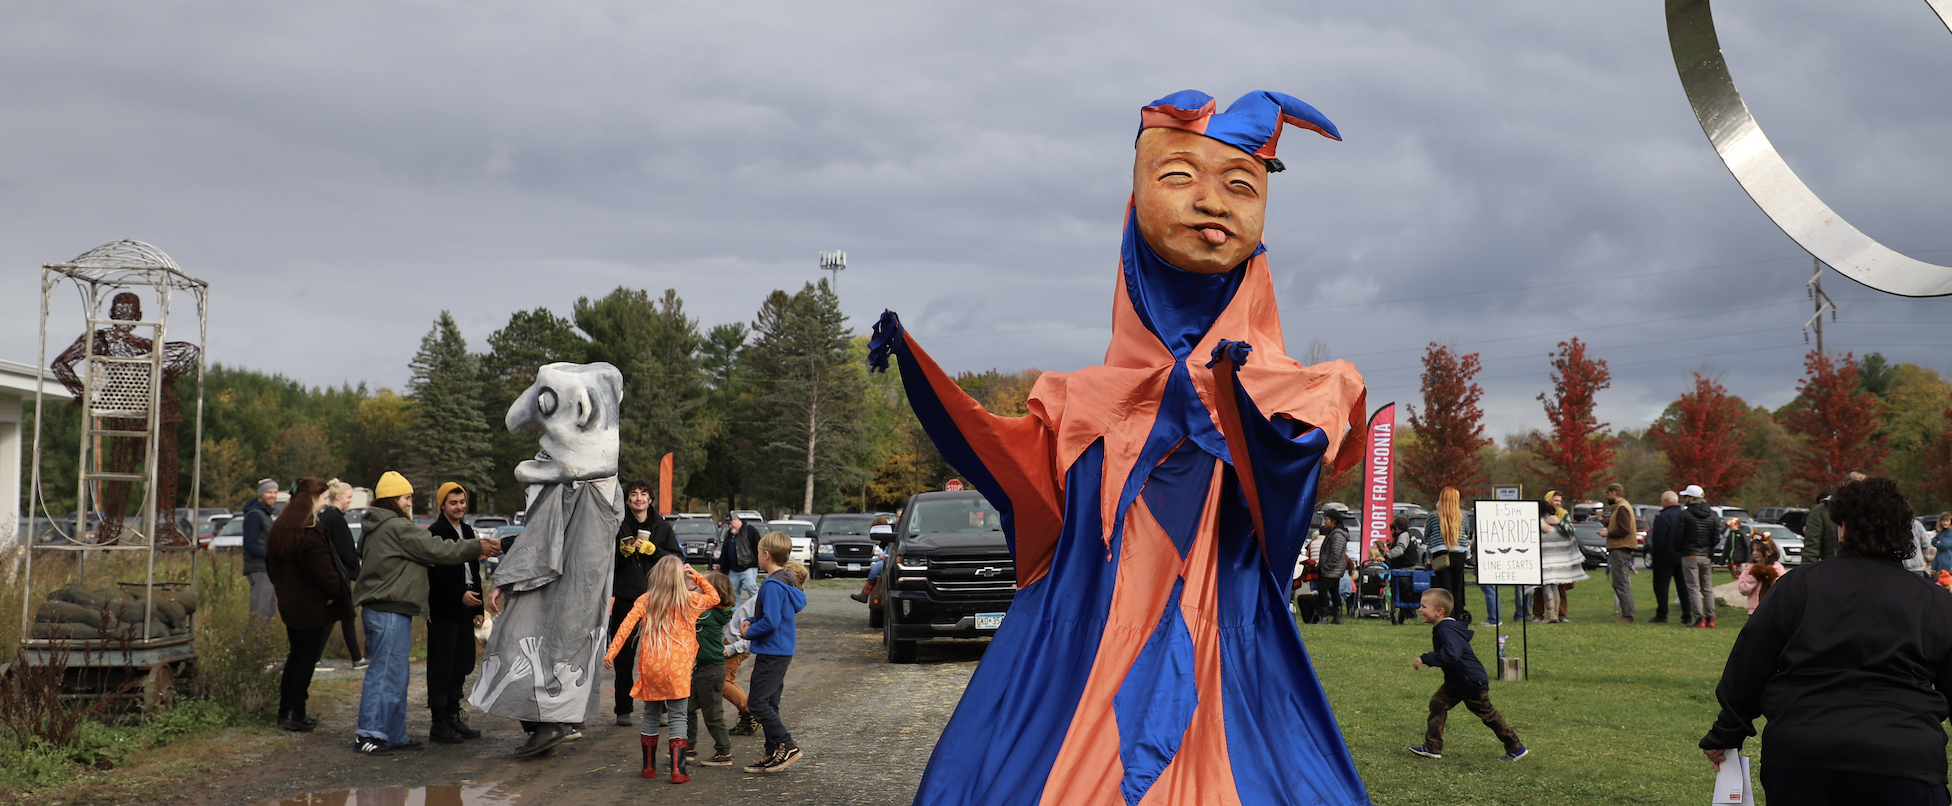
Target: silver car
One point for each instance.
(1788, 542)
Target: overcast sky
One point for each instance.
(1514, 173)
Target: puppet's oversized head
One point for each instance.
(576, 405)
(1199, 181)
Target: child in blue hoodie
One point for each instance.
(1464, 679)
(771, 631)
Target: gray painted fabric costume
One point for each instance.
(544, 661)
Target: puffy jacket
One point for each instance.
(394, 558)
(1695, 532)
(1335, 554)
(257, 526)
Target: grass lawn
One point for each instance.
(1611, 713)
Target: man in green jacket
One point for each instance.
(392, 591)
(1819, 531)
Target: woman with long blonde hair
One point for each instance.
(1447, 555)
(665, 619)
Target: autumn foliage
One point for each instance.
(1837, 423)
(1450, 428)
(1701, 435)
(1579, 451)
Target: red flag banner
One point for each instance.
(1379, 476)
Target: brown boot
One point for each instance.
(862, 597)
(650, 755)
(678, 775)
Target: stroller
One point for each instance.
(1410, 585)
(1372, 591)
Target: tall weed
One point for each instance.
(238, 657)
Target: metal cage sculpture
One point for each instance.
(120, 370)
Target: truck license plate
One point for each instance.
(853, 566)
(989, 621)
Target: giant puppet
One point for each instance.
(544, 660)
(1155, 506)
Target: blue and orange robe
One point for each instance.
(1155, 506)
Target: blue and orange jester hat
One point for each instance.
(1252, 124)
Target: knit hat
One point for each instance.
(440, 495)
(392, 485)
(267, 486)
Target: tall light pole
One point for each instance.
(836, 262)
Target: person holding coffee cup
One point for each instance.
(643, 538)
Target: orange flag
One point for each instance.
(664, 485)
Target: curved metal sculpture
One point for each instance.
(1768, 179)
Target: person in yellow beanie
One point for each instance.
(454, 598)
(392, 590)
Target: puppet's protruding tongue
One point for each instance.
(1214, 235)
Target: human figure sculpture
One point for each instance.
(126, 454)
(544, 660)
(1155, 506)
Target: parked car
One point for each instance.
(801, 533)
(699, 538)
(950, 573)
(749, 515)
(1591, 537)
(842, 546)
(1415, 513)
(231, 536)
(506, 533)
(1788, 542)
(484, 521)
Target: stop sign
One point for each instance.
(954, 485)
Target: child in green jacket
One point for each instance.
(708, 674)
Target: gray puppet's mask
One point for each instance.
(577, 407)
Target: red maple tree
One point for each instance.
(1579, 449)
(1938, 457)
(1701, 435)
(1837, 423)
(1450, 429)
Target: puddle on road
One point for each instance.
(457, 795)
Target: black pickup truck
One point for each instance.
(948, 573)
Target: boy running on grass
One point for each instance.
(1464, 679)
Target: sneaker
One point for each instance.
(782, 759)
(1426, 752)
(1516, 754)
(322, 666)
(360, 666)
(624, 721)
(765, 764)
(371, 747)
(572, 734)
(720, 760)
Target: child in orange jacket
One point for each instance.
(667, 644)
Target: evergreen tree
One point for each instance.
(656, 347)
(808, 394)
(731, 447)
(447, 433)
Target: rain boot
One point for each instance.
(867, 589)
(678, 774)
(650, 755)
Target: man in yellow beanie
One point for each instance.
(392, 589)
(454, 601)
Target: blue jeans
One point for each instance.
(1491, 602)
(745, 584)
(383, 697)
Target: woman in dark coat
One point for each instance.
(312, 595)
(1850, 660)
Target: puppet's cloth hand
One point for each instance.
(883, 341)
(1235, 351)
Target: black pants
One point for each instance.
(1665, 572)
(1332, 597)
(296, 684)
(1790, 786)
(1452, 579)
(349, 630)
(626, 671)
(450, 657)
(768, 681)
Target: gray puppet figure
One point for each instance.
(544, 661)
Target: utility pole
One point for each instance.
(836, 262)
(1822, 302)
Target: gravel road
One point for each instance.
(866, 727)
